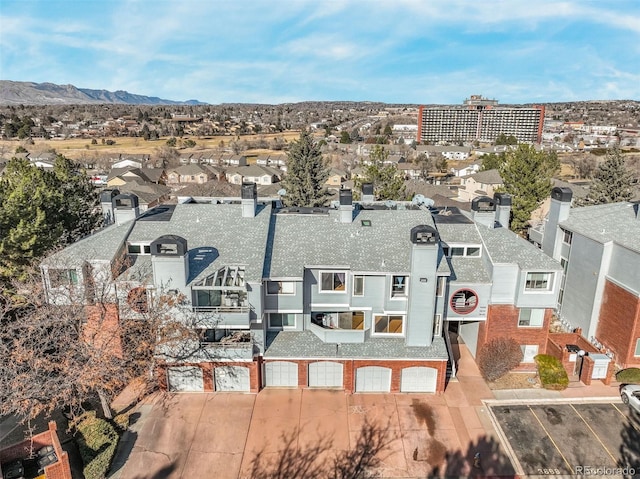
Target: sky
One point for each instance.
(280, 51)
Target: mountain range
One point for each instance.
(29, 93)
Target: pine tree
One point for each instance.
(307, 173)
(388, 184)
(612, 181)
(526, 174)
(40, 210)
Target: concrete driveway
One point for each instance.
(289, 433)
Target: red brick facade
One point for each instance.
(24, 450)
(255, 377)
(351, 365)
(619, 324)
(502, 322)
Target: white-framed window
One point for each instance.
(281, 287)
(440, 285)
(282, 320)
(539, 282)
(358, 285)
(333, 281)
(529, 351)
(398, 286)
(388, 324)
(471, 251)
(437, 325)
(531, 318)
(139, 248)
(63, 277)
(637, 352)
(567, 237)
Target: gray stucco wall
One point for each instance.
(625, 267)
(581, 283)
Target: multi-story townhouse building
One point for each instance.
(599, 249)
(479, 120)
(358, 296)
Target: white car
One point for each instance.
(630, 395)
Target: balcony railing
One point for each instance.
(222, 309)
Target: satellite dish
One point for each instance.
(389, 204)
(428, 202)
(282, 192)
(417, 199)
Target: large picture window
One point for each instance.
(281, 287)
(62, 277)
(333, 281)
(389, 324)
(350, 320)
(538, 282)
(531, 318)
(282, 320)
(398, 286)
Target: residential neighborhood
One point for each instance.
(392, 294)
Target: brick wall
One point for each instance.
(619, 324)
(24, 450)
(208, 374)
(502, 321)
(351, 365)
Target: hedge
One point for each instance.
(629, 376)
(97, 441)
(551, 372)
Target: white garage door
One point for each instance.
(281, 374)
(419, 380)
(232, 378)
(325, 374)
(185, 379)
(373, 379)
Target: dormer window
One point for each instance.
(468, 251)
(139, 249)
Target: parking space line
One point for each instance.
(626, 417)
(615, 460)
(552, 441)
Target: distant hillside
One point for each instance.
(28, 93)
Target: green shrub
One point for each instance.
(97, 441)
(552, 374)
(498, 357)
(629, 376)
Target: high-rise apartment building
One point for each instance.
(479, 119)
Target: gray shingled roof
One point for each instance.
(459, 233)
(305, 344)
(469, 270)
(238, 240)
(318, 240)
(617, 222)
(102, 245)
(488, 177)
(505, 247)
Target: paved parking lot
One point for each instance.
(579, 438)
(289, 433)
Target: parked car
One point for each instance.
(630, 395)
(13, 470)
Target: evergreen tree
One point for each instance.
(307, 172)
(388, 184)
(492, 161)
(612, 181)
(40, 210)
(526, 175)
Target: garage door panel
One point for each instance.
(419, 379)
(185, 379)
(281, 374)
(232, 378)
(326, 374)
(373, 379)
